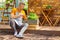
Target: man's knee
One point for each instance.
(12, 23)
(26, 24)
(12, 20)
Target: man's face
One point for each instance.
(21, 6)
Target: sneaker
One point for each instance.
(15, 33)
(19, 36)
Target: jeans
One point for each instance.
(15, 27)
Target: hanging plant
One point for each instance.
(48, 7)
(26, 6)
(8, 3)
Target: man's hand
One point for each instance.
(16, 16)
(25, 20)
(20, 15)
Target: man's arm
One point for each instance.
(25, 18)
(14, 16)
(13, 13)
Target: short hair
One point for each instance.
(21, 3)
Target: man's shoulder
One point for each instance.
(13, 10)
(22, 11)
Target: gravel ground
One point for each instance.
(4, 35)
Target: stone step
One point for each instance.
(35, 27)
(43, 30)
(31, 27)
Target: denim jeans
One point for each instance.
(13, 25)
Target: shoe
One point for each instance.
(15, 34)
(19, 36)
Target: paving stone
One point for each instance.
(6, 35)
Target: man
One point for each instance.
(17, 16)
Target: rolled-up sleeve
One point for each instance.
(24, 15)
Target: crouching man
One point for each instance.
(17, 17)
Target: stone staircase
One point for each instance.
(43, 30)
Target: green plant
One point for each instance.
(9, 1)
(32, 16)
(48, 6)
